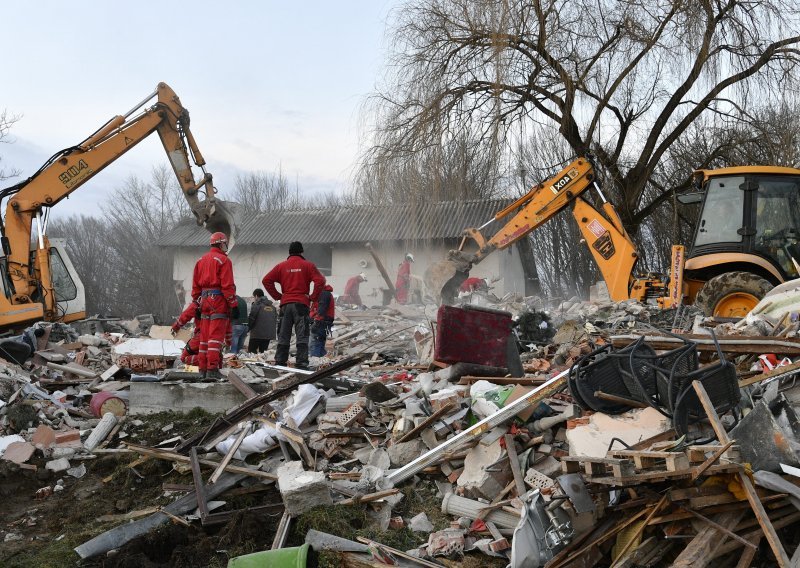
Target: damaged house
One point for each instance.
(335, 239)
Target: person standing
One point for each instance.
(262, 322)
(403, 282)
(295, 275)
(323, 313)
(239, 326)
(351, 295)
(213, 290)
(474, 285)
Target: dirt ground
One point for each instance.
(46, 530)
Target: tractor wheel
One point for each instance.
(732, 295)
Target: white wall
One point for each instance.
(250, 264)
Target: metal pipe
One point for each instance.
(502, 415)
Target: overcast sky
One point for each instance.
(268, 83)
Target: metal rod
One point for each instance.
(599, 192)
(504, 414)
(39, 229)
(141, 104)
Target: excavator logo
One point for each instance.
(73, 174)
(561, 182)
(605, 246)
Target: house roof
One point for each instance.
(446, 219)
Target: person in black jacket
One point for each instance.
(262, 321)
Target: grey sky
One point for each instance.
(269, 84)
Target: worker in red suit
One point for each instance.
(351, 295)
(214, 291)
(191, 351)
(295, 275)
(403, 282)
(473, 285)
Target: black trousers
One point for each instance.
(293, 317)
(257, 345)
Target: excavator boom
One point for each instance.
(28, 276)
(610, 244)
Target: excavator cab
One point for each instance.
(747, 238)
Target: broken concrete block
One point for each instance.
(302, 490)
(420, 523)
(379, 458)
(593, 439)
(19, 452)
(61, 464)
(446, 542)
(404, 453)
(44, 437)
(476, 480)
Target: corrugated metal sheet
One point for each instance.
(441, 220)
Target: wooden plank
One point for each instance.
(785, 370)
(282, 532)
(697, 553)
(758, 508)
(369, 497)
(635, 536)
(753, 345)
(229, 455)
(710, 461)
(199, 487)
(513, 460)
(427, 422)
(240, 385)
(719, 527)
(746, 559)
(783, 522)
(381, 269)
(400, 553)
(172, 456)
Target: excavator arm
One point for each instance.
(609, 243)
(27, 276)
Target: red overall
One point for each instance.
(213, 289)
(351, 295)
(191, 352)
(472, 284)
(403, 282)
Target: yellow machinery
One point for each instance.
(38, 279)
(747, 233)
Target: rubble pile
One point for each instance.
(614, 435)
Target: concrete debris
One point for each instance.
(606, 432)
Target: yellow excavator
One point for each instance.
(747, 238)
(38, 278)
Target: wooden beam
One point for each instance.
(229, 455)
(381, 269)
(710, 461)
(755, 503)
(697, 553)
(632, 538)
(199, 487)
(427, 422)
(513, 461)
(240, 385)
(172, 456)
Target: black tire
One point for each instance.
(729, 283)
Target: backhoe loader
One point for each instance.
(38, 280)
(746, 241)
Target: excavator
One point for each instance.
(37, 277)
(747, 239)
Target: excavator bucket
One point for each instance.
(226, 217)
(445, 277)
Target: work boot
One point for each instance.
(213, 375)
(301, 358)
(202, 374)
(281, 355)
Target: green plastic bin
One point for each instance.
(281, 558)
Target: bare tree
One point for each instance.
(95, 259)
(622, 80)
(265, 191)
(7, 120)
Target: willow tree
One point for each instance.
(621, 80)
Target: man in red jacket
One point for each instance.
(214, 291)
(295, 275)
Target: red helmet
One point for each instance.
(218, 238)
